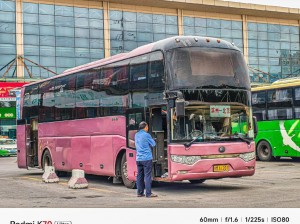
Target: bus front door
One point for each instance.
(32, 138)
(27, 144)
(22, 143)
(133, 118)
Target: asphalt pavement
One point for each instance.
(275, 184)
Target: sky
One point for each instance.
(283, 3)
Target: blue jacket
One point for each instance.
(143, 141)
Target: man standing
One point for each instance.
(143, 141)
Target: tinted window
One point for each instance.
(156, 72)
(280, 114)
(114, 78)
(279, 95)
(87, 98)
(258, 97)
(260, 114)
(297, 112)
(296, 97)
(195, 67)
(297, 93)
(65, 98)
(133, 125)
(138, 73)
(114, 89)
(112, 105)
(47, 108)
(31, 102)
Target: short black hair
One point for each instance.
(142, 125)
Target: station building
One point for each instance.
(41, 38)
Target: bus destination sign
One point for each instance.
(219, 111)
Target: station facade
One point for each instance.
(42, 38)
(58, 35)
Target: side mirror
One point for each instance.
(255, 127)
(180, 104)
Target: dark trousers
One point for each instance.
(144, 177)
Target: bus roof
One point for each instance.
(282, 83)
(162, 45)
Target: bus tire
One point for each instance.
(200, 181)
(296, 159)
(46, 160)
(129, 184)
(264, 151)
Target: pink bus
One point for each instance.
(193, 91)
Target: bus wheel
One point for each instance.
(46, 161)
(126, 182)
(197, 181)
(264, 151)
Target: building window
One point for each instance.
(7, 36)
(231, 31)
(273, 51)
(60, 37)
(129, 30)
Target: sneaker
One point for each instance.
(141, 195)
(152, 196)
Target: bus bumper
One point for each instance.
(206, 169)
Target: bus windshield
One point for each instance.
(206, 122)
(195, 67)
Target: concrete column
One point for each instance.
(106, 29)
(180, 21)
(19, 38)
(245, 38)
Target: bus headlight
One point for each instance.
(188, 160)
(247, 156)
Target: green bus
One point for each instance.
(277, 109)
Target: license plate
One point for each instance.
(221, 168)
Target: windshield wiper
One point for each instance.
(187, 145)
(243, 139)
(236, 136)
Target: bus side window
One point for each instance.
(296, 102)
(114, 78)
(31, 102)
(156, 72)
(259, 105)
(47, 109)
(138, 73)
(280, 104)
(133, 124)
(87, 98)
(65, 98)
(279, 95)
